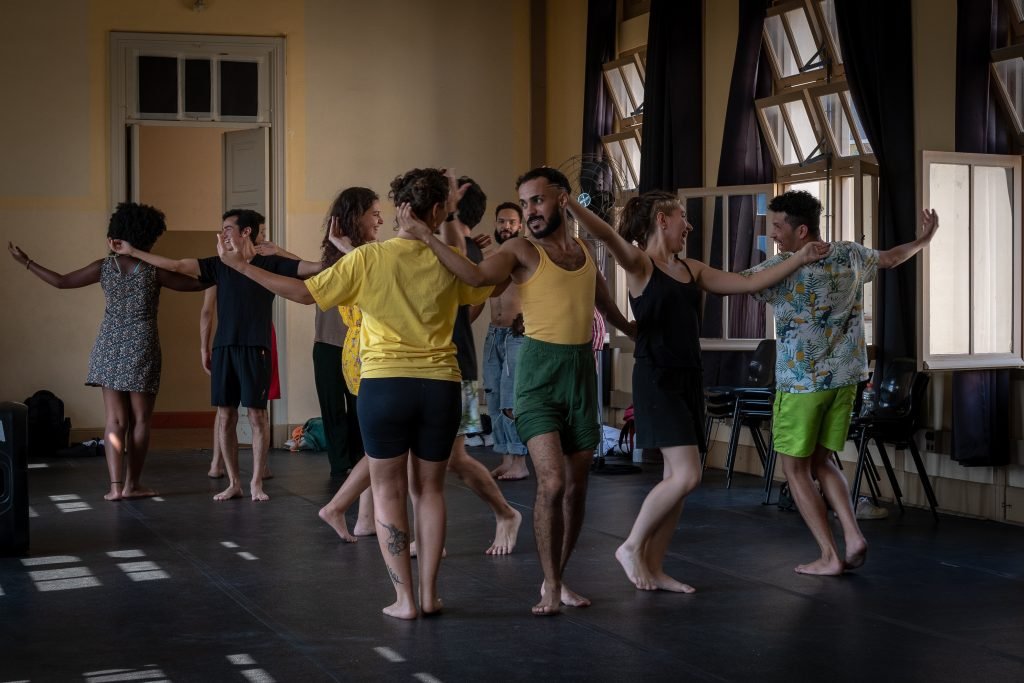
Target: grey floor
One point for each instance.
(183, 589)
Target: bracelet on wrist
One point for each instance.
(450, 217)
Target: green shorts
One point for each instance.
(556, 391)
(802, 421)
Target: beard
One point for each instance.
(501, 240)
(553, 224)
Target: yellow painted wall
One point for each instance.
(372, 89)
(567, 45)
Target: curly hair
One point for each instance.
(637, 220)
(422, 188)
(350, 204)
(552, 175)
(801, 208)
(138, 224)
(473, 204)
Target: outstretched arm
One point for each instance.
(179, 282)
(282, 285)
(628, 256)
(491, 271)
(89, 275)
(185, 266)
(721, 282)
(890, 258)
(306, 268)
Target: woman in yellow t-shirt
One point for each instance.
(410, 394)
(355, 214)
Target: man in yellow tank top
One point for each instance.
(556, 382)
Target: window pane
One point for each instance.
(828, 10)
(858, 126)
(802, 129)
(846, 214)
(617, 88)
(636, 86)
(1011, 75)
(197, 86)
(992, 257)
(747, 247)
(158, 85)
(778, 43)
(949, 311)
(837, 122)
(710, 208)
(779, 135)
(868, 213)
(239, 89)
(806, 45)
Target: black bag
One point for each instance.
(48, 430)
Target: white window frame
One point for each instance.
(724, 343)
(1014, 358)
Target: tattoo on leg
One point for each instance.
(398, 540)
(394, 576)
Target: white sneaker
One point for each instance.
(868, 510)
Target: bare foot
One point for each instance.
(336, 518)
(822, 567)
(505, 535)
(573, 599)
(258, 496)
(636, 572)
(138, 492)
(436, 606)
(412, 550)
(229, 493)
(548, 606)
(498, 471)
(516, 471)
(400, 610)
(115, 493)
(569, 597)
(664, 582)
(856, 553)
(215, 474)
(364, 528)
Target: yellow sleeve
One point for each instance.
(339, 285)
(473, 295)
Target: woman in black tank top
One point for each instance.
(668, 393)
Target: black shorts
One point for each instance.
(397, 414)
(668, 406)
(240, 375)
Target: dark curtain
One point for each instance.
(981, 398)
(598, 108)
(876, 39)
(671, 151)
(745, 160)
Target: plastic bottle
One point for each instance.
(867, 400)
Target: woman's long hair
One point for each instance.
(348, 207)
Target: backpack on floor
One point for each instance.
(48, 430)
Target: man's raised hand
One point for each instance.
(929, 224)
(408, 222)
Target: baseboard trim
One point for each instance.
(182, 419)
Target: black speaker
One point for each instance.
(13, 479)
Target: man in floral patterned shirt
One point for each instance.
(820, 358)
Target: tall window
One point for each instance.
(971, 294)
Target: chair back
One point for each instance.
(896, 392)
(761, 372)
